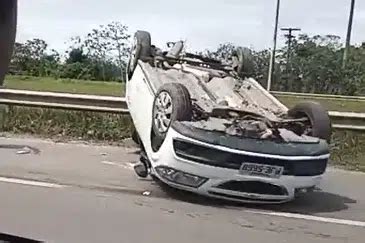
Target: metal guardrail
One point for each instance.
(63, 101)
(341, 120)
(319, 96)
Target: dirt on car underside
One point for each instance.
(209, 93)
(225, 104)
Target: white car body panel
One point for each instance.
(167, 157)
(140, 96)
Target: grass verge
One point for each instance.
(117, 89)
(347, 148)
(67, 124)
(329, 104)
(64, 85)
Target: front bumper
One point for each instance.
(226, 182)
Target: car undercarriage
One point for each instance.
(224, 102)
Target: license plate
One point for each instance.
(252, 169)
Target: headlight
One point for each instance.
(180, 177)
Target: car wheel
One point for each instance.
(141, 49)
(172, 103)
(320, 122)
(243, 62)
(8, 22)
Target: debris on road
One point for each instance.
(146, 193)
(109, 163)
(21, 149)
(24, 151)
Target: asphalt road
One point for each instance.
(84, 193)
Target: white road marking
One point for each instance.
(311, 218)
(30, 183)
(128, 166)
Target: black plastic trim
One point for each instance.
(242, 198)
(252, 145)
(254, 187)
(223, 159)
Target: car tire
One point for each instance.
(172, 103)
(244, 64)
(141, 50)
(8, 23)
(320, 121)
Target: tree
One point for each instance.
(223, 52)
(260, 60)
(104, 46)
(262, 63)
(116, 37)
(76, 55)
(51, 64)
(315, 65)
(29, 57)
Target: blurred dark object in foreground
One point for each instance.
(4, 238)
(8, 24)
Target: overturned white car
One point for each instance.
(204, 129)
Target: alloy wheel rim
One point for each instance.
(163, 111)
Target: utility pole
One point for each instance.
(290, 37)
(273, 53)
(348, 36)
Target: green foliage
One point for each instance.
(100, 55)
(222, 53)
(76, 55)
(65, 85)
(31, 58)
(67, 124)
(315, 66)
(329, 104)
(348, 150)
(76, 70)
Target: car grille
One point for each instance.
(214, 157)
(243, 198)
(255, 187)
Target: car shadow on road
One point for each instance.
(311, 203)
(315, 202)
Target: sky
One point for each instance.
(204, 24)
